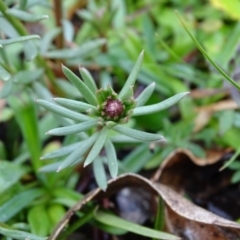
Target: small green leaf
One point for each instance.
(81, 86)
(87, 78)
(52, 167)
(25, 16)
(111, 158)
(73, 105)
(118, 222)
(68, 30)
(97, 147)
(10, 232)
(99, 173)
(61, 152)
(30, 50)
(21, 200)
(231, 160)
(139, 135)
(132, 76)
(64, 112)
(28, 76)
(4, 74)
(76, 155)
(38, 220)
(145, 95)
(55, 212)
(145, 110)
(18, 39)
(76, 52)
(76, 128)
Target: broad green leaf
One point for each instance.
(81, 86)
(15, 205)
(26, 16)
(26, 116)
(10, 174)
(73, 105)
(28, 76)
(55, 212)
(145, 94)
(61, 152)
(76, 52)
(47, 39)
(76, 155)
(139, 135)
(118, 222)
(18, 39)
(111, 158)
(6, 89)
(30, 50)
(201, 49)
(38, 220)
(99, 173)
(97, 147)
(64, 112)
(145, 110)
(4, 74)
(87, 78)
(10, 232)
(73, 129)
(132, 76)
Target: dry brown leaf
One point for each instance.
(189, 217)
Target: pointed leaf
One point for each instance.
(64, 112)
(97, 147)
(52, 167)
(145, 94)
(74, 105)
(139, 135)
(30, 50)
(26, 16)
(145, 110)
(88, 79)
(4, 74)
(10, 232)
(111, 158)
(99, 173)
(76, 156)
(118, 222)
(61, 152)
(76, 128)
(133, 76)
(18, 39)
(81, 86)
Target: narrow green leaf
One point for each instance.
(73, 129)
(55, 212)
(78, 52)
(6, 89)
(61, 152)
(74, 105)
(30, 50)
(38, 220)
(81, 86)
(232, 159)
(118, 222)
(88, 79)
(97, 147)
(145, 94)
(201, 49)
(111, 158)
(4, 74)
(18, 39)
(48, 38)
(21, 200)
(28, 76)
(52, 167)
(25, 16)
(99, 173)
(10, 232)
(145, 110)
(76, 155)
(26, 116)
(132, 76)
(64, 112)
(139, 135)
(68, 30)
